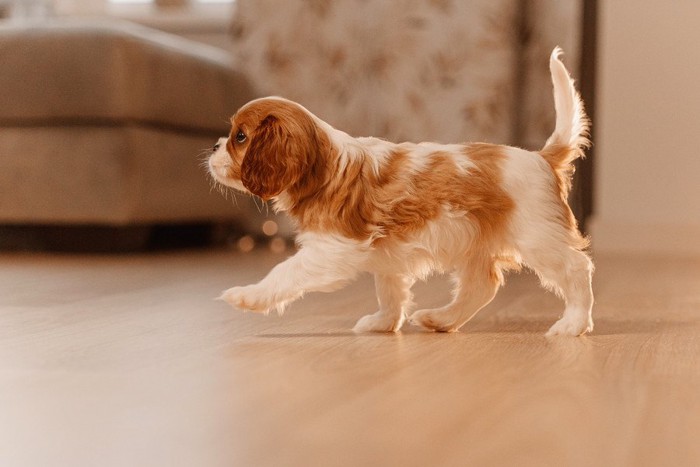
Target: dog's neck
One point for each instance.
(337, 185)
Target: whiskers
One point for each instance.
(204, 156)
(261, 206)
(224, 190)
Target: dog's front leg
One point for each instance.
(321, 265)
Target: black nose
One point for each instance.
(216, 146)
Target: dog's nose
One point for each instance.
(216, 146)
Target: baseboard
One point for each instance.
(110, 239)
(651, 239)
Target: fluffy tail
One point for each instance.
(570, 136)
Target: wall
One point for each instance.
(648, 163)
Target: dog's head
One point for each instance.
(275, 145)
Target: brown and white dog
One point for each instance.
(403, 211)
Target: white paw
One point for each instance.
(434, 319)
(250, 298)
(378, 322)
(568, 326)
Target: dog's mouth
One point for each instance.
(219, 175)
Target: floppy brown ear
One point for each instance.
(276, 158)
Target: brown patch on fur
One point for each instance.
(488, 203)
(396, 202)
(560, 157)
(338, 202)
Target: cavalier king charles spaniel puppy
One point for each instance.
(403, 211)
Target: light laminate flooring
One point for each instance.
(128, 361)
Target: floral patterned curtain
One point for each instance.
(418, 70)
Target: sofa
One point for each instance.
(104, 126)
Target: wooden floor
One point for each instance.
(127, 361)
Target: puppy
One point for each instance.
(404, 211)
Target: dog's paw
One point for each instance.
(437, 319)
(568, 326)
(378, 322)
(248, 298)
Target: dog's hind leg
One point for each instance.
(567, 271)
(394, 295)
(554, 252)
(476, 283)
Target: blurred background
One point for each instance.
(107, 107)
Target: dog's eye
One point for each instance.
(240, 137)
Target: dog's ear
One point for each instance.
(279, 154)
